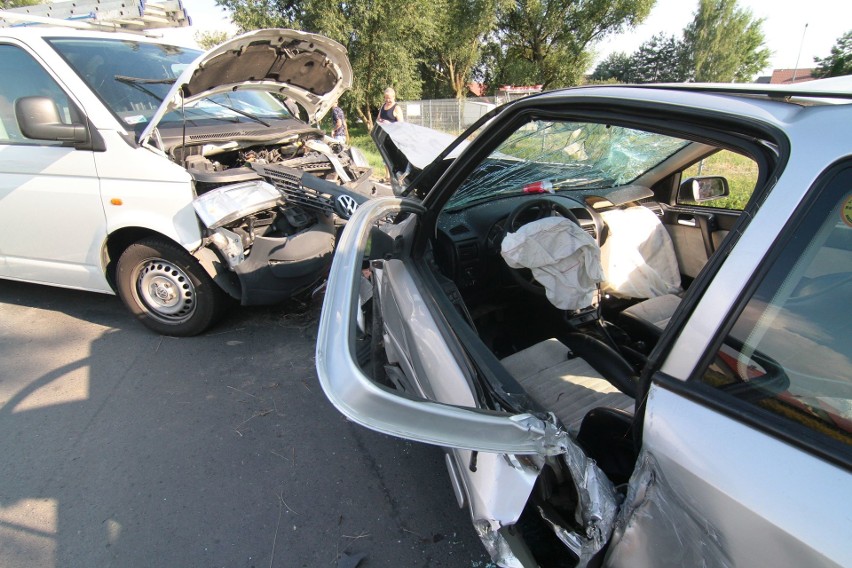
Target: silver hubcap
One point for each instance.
(165, 290)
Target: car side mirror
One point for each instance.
(38, 118)
(703, 188)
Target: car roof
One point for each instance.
(777, 106)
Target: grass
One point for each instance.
(360, 138)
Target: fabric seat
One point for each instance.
(640, 262)
(654, 312)
(569, 388)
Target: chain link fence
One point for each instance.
(447, 115)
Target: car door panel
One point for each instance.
(376, 407)
(696, 234)
(61, 242)
(696, 508)
(53, 221)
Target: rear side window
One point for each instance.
(25, 77)
(789, 352)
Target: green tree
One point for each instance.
(210, 39)
(839, 61)
(7, 4)
(385, 39)
(546, 41)
(617, 66)
(725, 42)
(250, 15)
(463, 26)
(661, 59)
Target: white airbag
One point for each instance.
(638, 256)
(562, 257)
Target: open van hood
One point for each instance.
(309, 69)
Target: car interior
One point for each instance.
(607, 227)
(562, 256)
(639, 202)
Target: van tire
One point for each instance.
(167, 289)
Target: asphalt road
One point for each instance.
(123, 448)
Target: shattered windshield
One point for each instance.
(565, 156)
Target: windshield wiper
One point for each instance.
(138, 82)
(238, 111)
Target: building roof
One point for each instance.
(788, 76)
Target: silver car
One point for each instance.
(624, 313)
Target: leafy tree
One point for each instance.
(386, 39)
(463, 26)
(725, 42)
(546, 41)
(250, 15)
(210, 39)
(7, 4)
(617, 66)
(661, 59)
(839, 61)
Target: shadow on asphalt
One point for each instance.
(124, 448)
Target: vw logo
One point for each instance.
(346, 205)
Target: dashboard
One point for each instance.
(468, 240)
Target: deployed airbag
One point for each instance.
(638, 256)
(562, 257)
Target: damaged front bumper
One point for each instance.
(274, 266)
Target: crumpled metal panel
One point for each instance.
(597, 506)
(657, 527)
(496, 545)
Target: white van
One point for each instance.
(177, 179)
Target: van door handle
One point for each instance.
(686, 220)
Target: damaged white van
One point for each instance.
(181, 181)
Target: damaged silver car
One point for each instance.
(177, 179)
(621, 312)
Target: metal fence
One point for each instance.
(447, 115)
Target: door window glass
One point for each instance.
(790, 350)
(29, 80)
(740, 172)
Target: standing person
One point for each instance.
(390, 111)
(339, 131)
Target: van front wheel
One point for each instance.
(167, 290)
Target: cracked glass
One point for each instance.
(565, 156)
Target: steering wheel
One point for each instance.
(528, 211)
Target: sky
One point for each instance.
(784, 27)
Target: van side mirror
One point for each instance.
(38, 118)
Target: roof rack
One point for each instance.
(103, 15)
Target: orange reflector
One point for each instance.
(116, 201)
